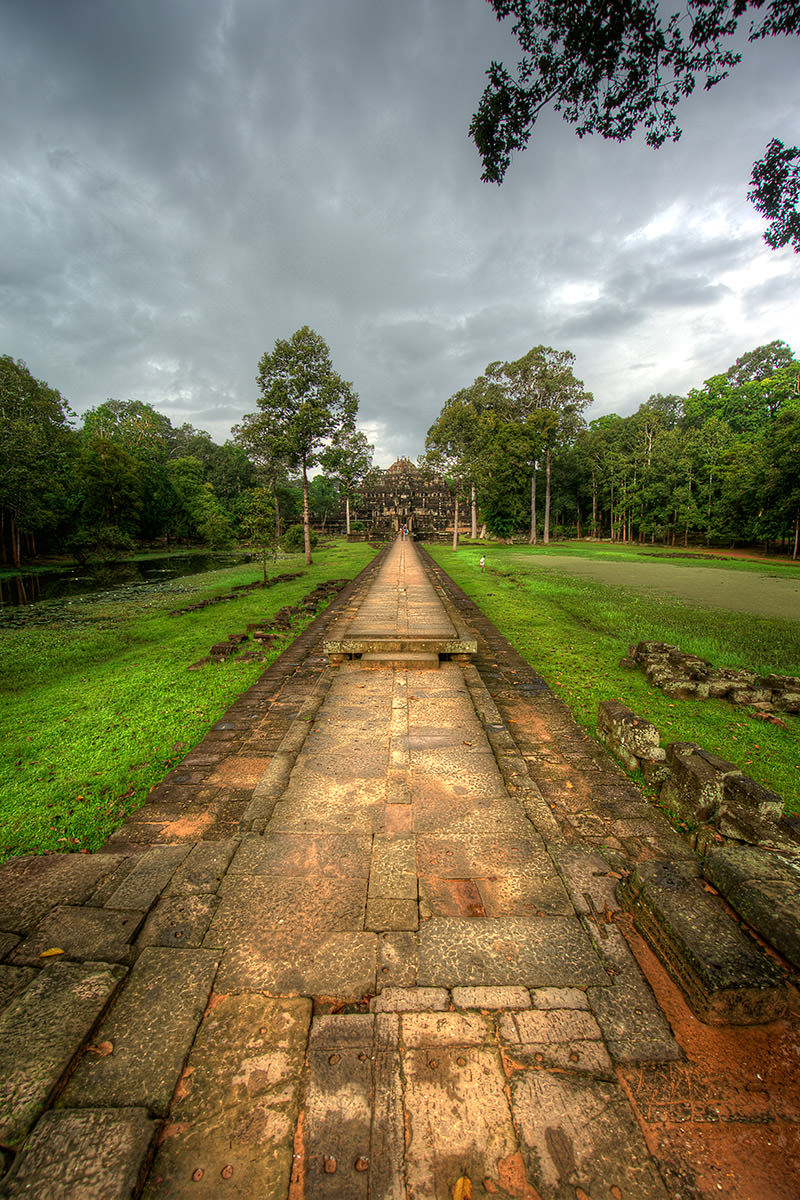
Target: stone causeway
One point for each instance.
(393, 924)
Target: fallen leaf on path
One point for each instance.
(102, 1048)
(463, 1189)
(49, 953)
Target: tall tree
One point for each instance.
(547, 398)
(260, 440)
(258, 523)
(451, 446)
(112, 485)
(36, 448)
(145, 435)
(349, 463)
(625, 65)
(307, 405)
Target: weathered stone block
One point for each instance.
(151, 1028)
(222, 649)
(90, 1154)
(580, 1138)
(41, 1032)
(727, 978)
(764, 888)
(757, 831)
(740, 792)
(655, 771)
(234, 1114)
(81, 933)
(693, 788)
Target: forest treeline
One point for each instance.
(720, 465)
(124, 477)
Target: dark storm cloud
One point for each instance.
(182, 183)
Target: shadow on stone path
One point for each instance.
(364, 941)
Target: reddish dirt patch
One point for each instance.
(185, 828)
(239, 771)
(727, 1121)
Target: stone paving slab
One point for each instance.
(342, 966)
(581, 1134)
(31, 886)
(80, 933)
(634, 1027)
(91, 1154)
(547, 951)
(41, 1032)
(232, 1124)
(203, 869)
(14, 980)
(557, 1039)
(148, 878)
(150, 1029)
(181, 920)
(323, 854)
(257, 905)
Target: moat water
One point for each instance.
(34, 587)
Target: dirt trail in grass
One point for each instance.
(739, 591)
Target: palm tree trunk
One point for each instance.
(474, 530)
(455, 526)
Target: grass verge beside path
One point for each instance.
(98, 704)
(574, 631)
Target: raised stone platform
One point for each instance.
(727, 977)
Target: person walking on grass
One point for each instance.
(483, 563)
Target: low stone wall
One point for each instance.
(722, 809)
(711, 796)
(682, 675)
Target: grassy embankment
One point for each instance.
(98, 704)
(574, 630)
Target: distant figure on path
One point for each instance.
(483, 562)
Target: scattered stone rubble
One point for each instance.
(265, 632)
(237, 591)
(682, 675)
(751, 850)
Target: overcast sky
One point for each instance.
(182, 182)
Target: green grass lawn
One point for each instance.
(574, 630)
(98, 704)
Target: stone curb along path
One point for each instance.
(356, 945)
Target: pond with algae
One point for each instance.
(32, 596)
